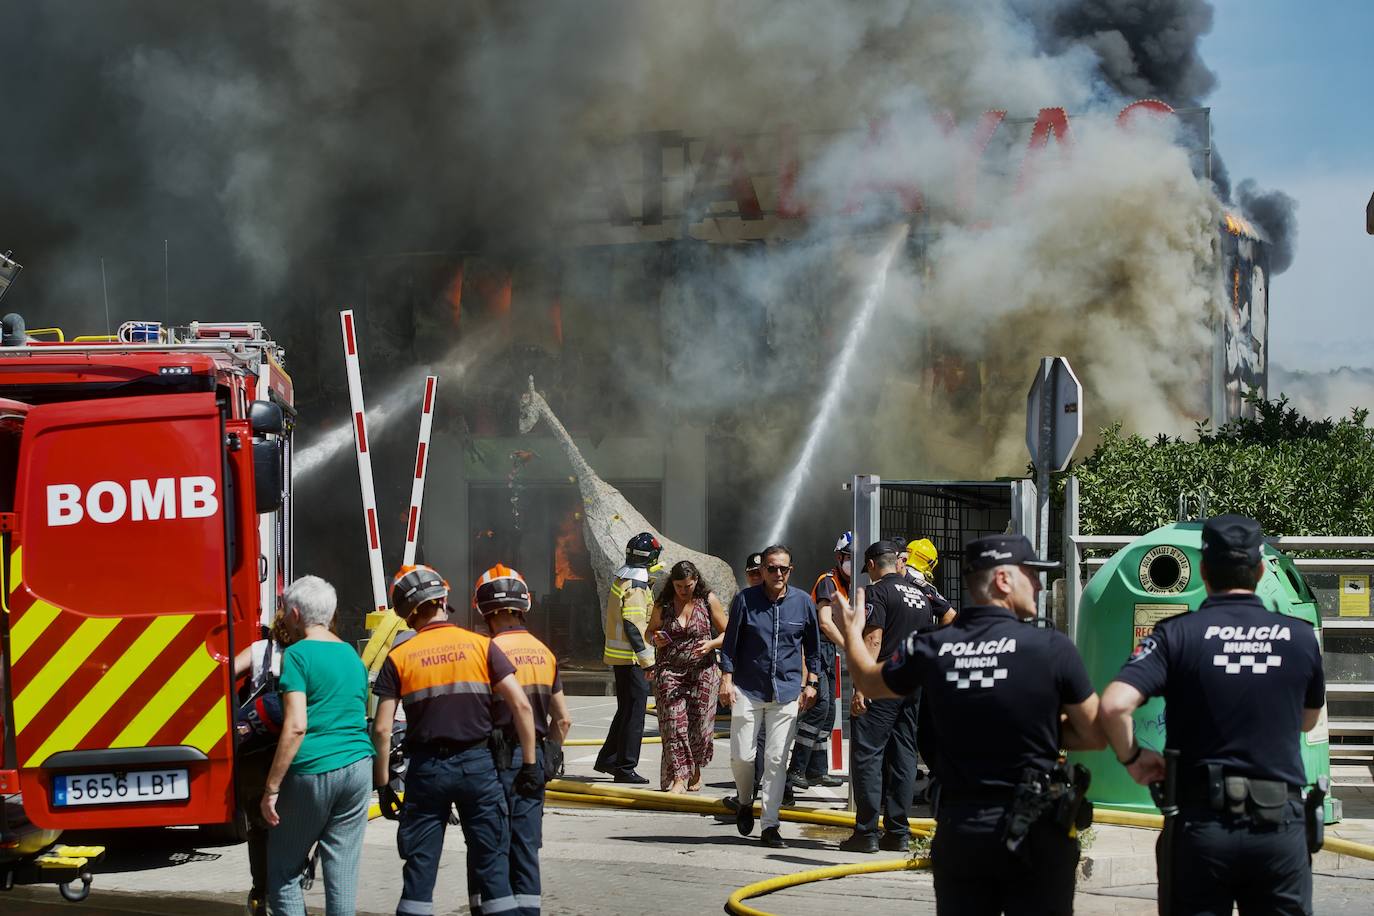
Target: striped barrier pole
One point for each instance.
(361, 448)
(417, 486)
(837, 727)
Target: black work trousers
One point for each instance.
(882, 764)
(1224, 859)
(620, 754)
(976, 875)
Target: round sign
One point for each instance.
(1165, 570)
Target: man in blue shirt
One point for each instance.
(771, 664)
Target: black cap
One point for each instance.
(879, 548)
(755, 561)
(1231, 540)
(1003, 550)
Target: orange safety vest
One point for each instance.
(536, 669)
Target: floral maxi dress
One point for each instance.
(685, 689)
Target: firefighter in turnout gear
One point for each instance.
(810, 754)
(1240, 686)
(1005, 697)
(503, 599)
(921, 558)
(446, 678)
(630, 657)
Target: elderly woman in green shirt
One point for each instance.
(320, 783)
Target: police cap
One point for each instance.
(881, 548)
(754, 562)
(1231, 540)
(1003, 550)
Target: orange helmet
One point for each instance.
(413, 586)
(501, 588)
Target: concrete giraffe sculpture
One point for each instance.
(609, 521)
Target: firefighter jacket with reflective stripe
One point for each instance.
(627, 616)
(443, 676)
(537, 671)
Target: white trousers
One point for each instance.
(779, 724)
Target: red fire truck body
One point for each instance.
(145, 515)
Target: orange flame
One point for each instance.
(453, 295)
(569, 551)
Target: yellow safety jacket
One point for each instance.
(627, 617)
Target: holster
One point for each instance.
(1314, 811)
(1264, 801)
(500, 749)
(1060, 795)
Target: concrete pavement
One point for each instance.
(605, 860)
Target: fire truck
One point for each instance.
(145, 523)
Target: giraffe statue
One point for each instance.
(608, 519)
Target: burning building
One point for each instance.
(687, 303)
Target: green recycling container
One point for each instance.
(1157, 576)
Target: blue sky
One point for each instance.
(1293, 110)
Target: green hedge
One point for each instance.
(1295, 475)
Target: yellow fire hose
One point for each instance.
(569, 791)
(737, 905)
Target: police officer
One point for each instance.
(503, 599)
(630, 657)
(921, 558)
(444, 677)
(810, 754)
(882, 732)
(1005, 697)
(1239, 684)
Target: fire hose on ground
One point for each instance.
(570, 791)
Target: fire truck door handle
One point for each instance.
(262, 568)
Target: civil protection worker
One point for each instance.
(445, 678)
(811, 754)
(629, 656)
(882, 732)
(1240, 685)
(921, 559)
(503, 599)
(1005, 697)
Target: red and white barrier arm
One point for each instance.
(361, 447)
(417, 487)
(837, 763)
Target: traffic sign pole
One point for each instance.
(1043, 459)
(1054, 427)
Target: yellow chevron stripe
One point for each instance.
(16, 569)
(111, 687)
(32, 625)
(167, 701)
(58, 671)
(209, 730)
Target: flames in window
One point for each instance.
(570, 561)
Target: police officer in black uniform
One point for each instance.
(1240, 684)
(1005, 696)
(882, 732)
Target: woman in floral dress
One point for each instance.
(685, 675)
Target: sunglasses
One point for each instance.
(778, 570)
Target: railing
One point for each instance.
(1080, 568)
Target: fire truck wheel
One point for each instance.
(78, 889)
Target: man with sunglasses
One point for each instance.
(770, 662)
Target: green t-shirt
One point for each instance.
(334, 682)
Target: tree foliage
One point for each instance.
(1295, 475)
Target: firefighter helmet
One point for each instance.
(643, 551)
(415, 585)
(501, 588)
(922, 556)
